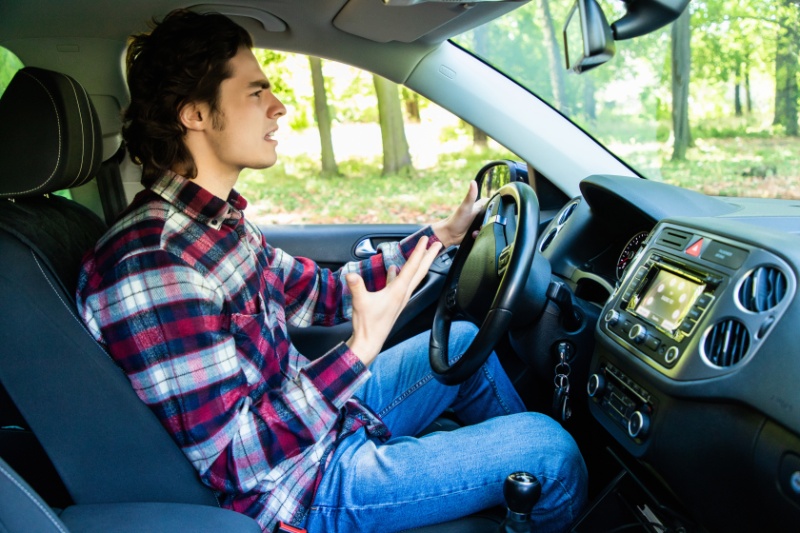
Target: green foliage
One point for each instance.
(9, 65)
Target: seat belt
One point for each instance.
(109, 185)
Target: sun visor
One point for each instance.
(428, 22)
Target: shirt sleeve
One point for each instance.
(320, 296)
(164, 323)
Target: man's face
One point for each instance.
(246, 118)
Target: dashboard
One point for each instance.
(695, 367)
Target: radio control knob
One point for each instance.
(638, 425)
(596, 385)
(637, 334)
(612, 318)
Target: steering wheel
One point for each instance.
(486, 279)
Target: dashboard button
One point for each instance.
(703, 301)
(671, 355)
(687, 325)
(722, 254)
(637, 334)
(652, 342)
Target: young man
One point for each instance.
(191, 301)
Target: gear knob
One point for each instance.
(521, 491)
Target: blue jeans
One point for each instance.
(409, 482)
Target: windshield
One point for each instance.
(709, 102)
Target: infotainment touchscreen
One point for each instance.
(666, 299)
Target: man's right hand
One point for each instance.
(374, 313)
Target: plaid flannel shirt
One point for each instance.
(193, 304)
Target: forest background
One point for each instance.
(722, 115)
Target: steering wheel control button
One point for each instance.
(637, 334)
(638, 425)
(671, 355)
(789, 476)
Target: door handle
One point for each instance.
(365, 248)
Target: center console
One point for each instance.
(693, 305)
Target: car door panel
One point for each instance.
(333, 245)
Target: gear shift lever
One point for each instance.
(521, 491)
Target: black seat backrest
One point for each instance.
(104, 442)
(21, 509)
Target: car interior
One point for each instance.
(681, 359)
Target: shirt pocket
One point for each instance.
(253, 339)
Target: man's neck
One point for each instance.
(219, 185)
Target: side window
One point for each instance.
(339, 159)
(9, 65)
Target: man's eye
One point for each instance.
(257, 94)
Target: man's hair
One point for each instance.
(183, 59)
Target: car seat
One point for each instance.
(58, 384)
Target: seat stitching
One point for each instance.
(69, 308)
(47, 512)
(78, 178)
(58, 158)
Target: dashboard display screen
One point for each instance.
(666, 300)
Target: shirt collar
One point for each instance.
(198, 203)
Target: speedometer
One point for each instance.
(629, 252)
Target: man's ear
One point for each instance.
(194, 116)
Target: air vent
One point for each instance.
(762, 289)
(674, 238)
(567, 212)
(727, 343)
(548, 239)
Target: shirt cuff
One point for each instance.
(408, 244)
(338, 374)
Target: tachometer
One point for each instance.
(629, 252)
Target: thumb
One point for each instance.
(356, 284)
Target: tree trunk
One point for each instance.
(737, 99)
(554, 57)
(322, 114)
(786, 69)
(681, 71)
(747, 89)
(411, 103)
(396, 158)
(589, 101)
(479, 138)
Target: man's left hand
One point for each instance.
(452, 230)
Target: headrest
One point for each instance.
(50, 136)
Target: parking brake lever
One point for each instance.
(561, 295)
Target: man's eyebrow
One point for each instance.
(262, 84)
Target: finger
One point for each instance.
(391, 274)
(414, 260)
(424, 265)
(356, 285)
(472, 193)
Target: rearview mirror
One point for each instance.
(588, 41)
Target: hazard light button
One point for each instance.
(694, 249)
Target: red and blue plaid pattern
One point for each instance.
(193, 304)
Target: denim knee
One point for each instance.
(556, 460)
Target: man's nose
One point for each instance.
(276, 108)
